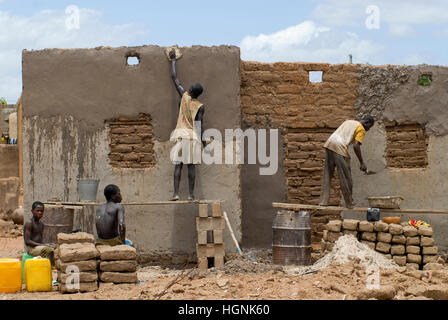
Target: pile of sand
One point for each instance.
(349, 249)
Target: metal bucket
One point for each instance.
(88, 189)
(56, 219)
(291, 243)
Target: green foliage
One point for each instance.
(3, 101)
(424, 80)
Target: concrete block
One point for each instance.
(203, 210)
(77, 252)
(426, 242)
(430, 250)
(399, 239)
(381, 226)
(119, 266)
(217, 209)
(384, 237)
(84, 277)
(395, 229)
(350, 224)
(122, 252)
(334, 225)
(365, 226)
(83, 266)
(398, 250)
(413, 249)
(383, 247)
(410, 231)
(208, 224)
(368, 236)
(425, 231)
(210, 250)
(119, 277)
(400, 260)
(414, 258)
(80, 237)
(431, 259)
(413, 241)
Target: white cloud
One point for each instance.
(402, 12)
(309, 42)
(47, 29)
(401, 30)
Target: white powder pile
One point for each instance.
(347, 248)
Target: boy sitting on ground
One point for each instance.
(32, 234)
(109, 219)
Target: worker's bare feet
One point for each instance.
(191, 198)
(175, 198)
(350, 205)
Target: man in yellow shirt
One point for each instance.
(337, 156)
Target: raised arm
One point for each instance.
(176, 81)
(357, 149)
(121, 224)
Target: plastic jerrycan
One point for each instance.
(38, 276)
(10, 276)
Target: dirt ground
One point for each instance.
(243, 279)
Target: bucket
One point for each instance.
(291, 243)
(88, 189)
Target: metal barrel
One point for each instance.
(291, 243)
(56, 219)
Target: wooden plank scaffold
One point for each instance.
(298, 206)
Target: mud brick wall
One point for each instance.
(132, 143)
(281, 96)
(407, 145)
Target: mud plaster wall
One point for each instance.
(69, 94)
(280, 96)
(5, 111)
(422, 188)
(9, 161)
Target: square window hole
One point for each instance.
(315, 76)
(133, 61)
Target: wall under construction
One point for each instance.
(76, 108)
(406, 147)
(90, 115)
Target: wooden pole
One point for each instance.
(294, 206)
(154, 203)
(20, 143)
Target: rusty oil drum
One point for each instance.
(291, 243)
(56, 219)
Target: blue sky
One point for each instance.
(410, 32)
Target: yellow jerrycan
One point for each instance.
(9, 276)
(38, 275)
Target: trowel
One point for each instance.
(369, 173)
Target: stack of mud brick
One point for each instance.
(118, 264)
(76, 261)
(405, 244)
(210, 247)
